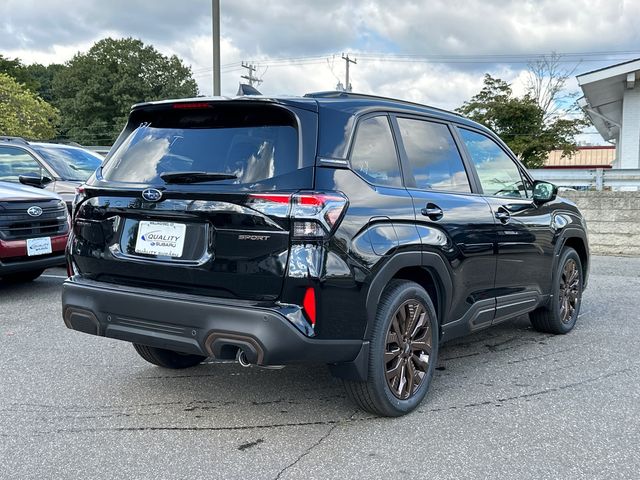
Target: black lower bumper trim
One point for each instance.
(30, 264)
(194, 325)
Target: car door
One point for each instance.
(446, 207)
(523, 230)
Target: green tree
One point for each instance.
(96, 89)
(23, 113)
(43, 76)
(18, 71)
(522, 123)
(36, 77)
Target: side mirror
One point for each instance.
(544, 191)
(34, 180)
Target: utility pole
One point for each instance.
(249, 77)
(347, 85)
(215, 24)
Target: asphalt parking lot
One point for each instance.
(506, 403)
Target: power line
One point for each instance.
(513, 58)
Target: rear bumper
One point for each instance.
(196, 325)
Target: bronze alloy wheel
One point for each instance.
(408, 349)
(569, 290)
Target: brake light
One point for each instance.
(309, 305)
(192, 105)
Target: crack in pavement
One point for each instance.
(196, 429)
(461, 356)
(544, 355)
(499, 402)
(568, 385)
(322, 439)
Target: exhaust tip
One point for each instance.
(242, 359)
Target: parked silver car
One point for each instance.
(59, 168)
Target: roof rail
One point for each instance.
(364, 96)
(13, 139)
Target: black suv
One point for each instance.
(335, 228)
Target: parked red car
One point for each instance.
(34, 227)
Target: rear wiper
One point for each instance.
(195, 177)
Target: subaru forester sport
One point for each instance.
(337, 228)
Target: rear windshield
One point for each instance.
(254, 143)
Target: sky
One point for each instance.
(446, 46)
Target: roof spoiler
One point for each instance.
(13, 139)
(245, 89)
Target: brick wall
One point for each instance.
(613, 219)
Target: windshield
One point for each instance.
(248, 145)
(72, 164)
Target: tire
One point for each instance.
(23, 277)
(168, 358)
(561, 314)
(419, 354)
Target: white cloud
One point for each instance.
(55, 30)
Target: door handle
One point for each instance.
(432, 211)
(503, 215)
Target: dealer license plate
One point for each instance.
(160, 238)
(38, 246)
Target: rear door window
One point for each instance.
(374, 154)
(254, 143)
(433, 156)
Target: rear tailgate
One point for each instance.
(220, 237)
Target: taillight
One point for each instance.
(80, 196)
(309, 305)
(316, 214)
(313, 214)
(273, 204)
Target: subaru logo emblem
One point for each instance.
(34, 211)
(151, 195)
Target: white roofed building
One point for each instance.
(612, 102)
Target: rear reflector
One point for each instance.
(309, 305)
